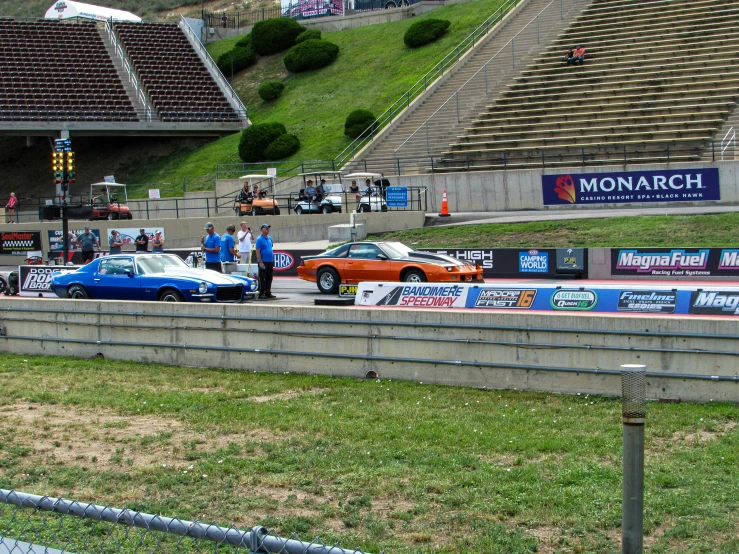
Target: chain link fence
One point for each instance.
(31, 524)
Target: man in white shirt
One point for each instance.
(245, 240)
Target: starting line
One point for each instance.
(618, 297)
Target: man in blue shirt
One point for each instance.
(266, 260)
(211, 245)
(228, 246)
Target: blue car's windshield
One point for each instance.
(151, 265)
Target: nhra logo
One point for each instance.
(38, 279)
(283, 261)
(60, 7)
(497, 298)
(574, 300)
(714, 302)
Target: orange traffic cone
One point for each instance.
(444, 206)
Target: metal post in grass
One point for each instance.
(633, 413)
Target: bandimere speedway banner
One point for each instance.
(675, 262)
(627, 187)
(529, 296)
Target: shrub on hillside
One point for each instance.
(309, 55)
(274, 35)
(357, 121)
(283, 146)
(425, 31)
(310, 34)
(244, 41)
(255, 140)
(241, 56)
(270, 90)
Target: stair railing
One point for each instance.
(423, 83)
(450, 109)
(729, 141)
(128, 68)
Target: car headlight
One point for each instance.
(254, 285)
(203, 288)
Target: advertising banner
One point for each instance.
(543, 263)
(20, 243)
(56, 243)
(614, 298)
(626, 187)
(35, 280)
(675, 262)
(129, 234)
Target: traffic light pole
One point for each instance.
(65, 234)
(63, 177)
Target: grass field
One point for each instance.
(373, 70)
(396, 466)
(626, 232)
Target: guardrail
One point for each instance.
(450, 109)
(423, 83)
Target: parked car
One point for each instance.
(163, 277)
(109, 201)
(264, 202)
(375, 200)
(356, 262)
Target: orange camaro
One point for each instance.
(356, 262)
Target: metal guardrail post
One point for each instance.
(428, 148)
(207, 206)
(147, 209)
(177, 207)
(513, 52)
(633, 414)
(561, 9)
(485, 70)
(537, 30)
(457, 95)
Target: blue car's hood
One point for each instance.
(203, 275)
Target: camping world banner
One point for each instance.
(627, 187)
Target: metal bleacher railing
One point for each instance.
(548, 18)
(128, 68)
(30, 523)
(423, 83)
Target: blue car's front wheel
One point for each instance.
(170, 295)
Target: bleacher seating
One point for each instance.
(54, 71)
(178, 83)
(659, 79)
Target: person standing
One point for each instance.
(87, 242)
(266, 261)
(142, 241)
(211, 245)
(10, 207)
(157, 243)
(245, 239)
(115, 242)
(228, 246)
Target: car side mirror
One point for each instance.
(381, 257)
(128, 272)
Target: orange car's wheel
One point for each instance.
(414, 276)
(328, 280)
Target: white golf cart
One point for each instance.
(247, 204)
(372, 202)
(333, 193)
(109, 201)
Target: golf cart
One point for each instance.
(332, 198)
(374, 201)
(108, 201)
(246, 204)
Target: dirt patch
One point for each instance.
(546, 538)
(63, 435)
(703, 436)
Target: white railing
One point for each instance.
(451, 106)
(128, 68)
(729, 141)
(218, 76)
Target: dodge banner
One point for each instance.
(626, 187)
(35, 280)
(618, 298)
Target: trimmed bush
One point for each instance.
(255, 140)
(309, 55)
(310, 34)
(274, 35)
(270, 90)
(242, 57)
(283, 146)
(425, 31)
(244, 41)
(357, 121)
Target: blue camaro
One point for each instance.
(163, 277)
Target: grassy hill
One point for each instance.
(374, 68)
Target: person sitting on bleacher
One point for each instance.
(310, 191)
(578, 56)
(569, 56)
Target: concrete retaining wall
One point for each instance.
(493, 191)
(688, 358)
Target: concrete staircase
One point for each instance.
(660, 78)
(508, 60)
(134, 94)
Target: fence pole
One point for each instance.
(513, 53)
(633, 414)
(428, 148)
(457, 96)
(177, 207)
(537, 29)
(561, 9)
(147, 209)
(207, 206)
(485, 70)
